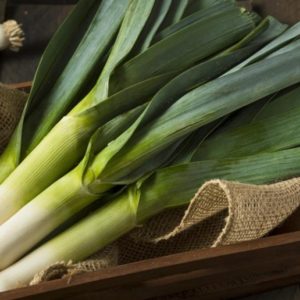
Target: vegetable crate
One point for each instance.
(218, 273)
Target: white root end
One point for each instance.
(22, 231)
(21, 273)
(11, 36)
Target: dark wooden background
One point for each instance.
(40, 19)
(39, 23)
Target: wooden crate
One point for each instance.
(219, 273)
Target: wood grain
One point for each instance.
(21, 86)
(228, 271)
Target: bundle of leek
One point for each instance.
(148, 143)
(65, 144)
(174, 97)
(168, 187)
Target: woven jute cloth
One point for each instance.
(11, 106)
(220, 213)
(105, 258)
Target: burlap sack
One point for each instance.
(220, 213)
(11, 105)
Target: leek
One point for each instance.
(159, 13)
(195, 5)
(53, 158)
(175, 13)
(281, 40)
(135, 152)
(166, 188)
(175, 98)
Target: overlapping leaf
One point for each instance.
(275, 128)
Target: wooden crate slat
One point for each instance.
(271, 259)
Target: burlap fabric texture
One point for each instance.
(220, 213)
(11, 105)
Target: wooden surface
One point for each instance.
(291, 224)
(287, 11)
(20, 86)
(218, 273)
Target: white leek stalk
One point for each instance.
(57, 203)
(84, 239)
(163, 189)
(38, 218)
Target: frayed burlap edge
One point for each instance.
(101, 260)
(253, 211)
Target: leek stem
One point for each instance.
(42, 215)
(45, 164)
(82, 240)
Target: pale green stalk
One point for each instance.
(117, 218)
(34, 221)
(169, 187)
(66, 143)
(69, 136)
